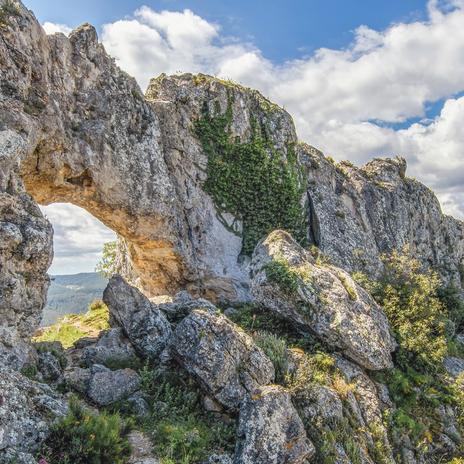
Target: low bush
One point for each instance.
(83, 437)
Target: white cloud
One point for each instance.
(78, 238)
(337, 97)
(53, 28)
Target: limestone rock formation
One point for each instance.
(270, 430)
(75, 128)
(322, 299)
(359, 213)
(142, 322)
(27, 409)
(111, 348)
(222, 357)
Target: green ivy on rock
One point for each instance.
(251, 180)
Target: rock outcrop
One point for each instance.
(142, 322)
(73, 126)
(192, 176)
(322, 299)
(270, 430)
(221, 356)
(360, 213)
(27, 409)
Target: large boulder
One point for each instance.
(27, 409)
(322, 299)
(270, 430)
(142, 322)
(221, 356)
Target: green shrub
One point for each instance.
(7, 10)
(82, 437)
(408, 294)
(280, 273)
(276, 350)
(182, 431)
(251, 180)
(451, 298)
(29, 371)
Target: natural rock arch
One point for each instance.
(75, 128)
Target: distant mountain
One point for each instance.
(72, 294)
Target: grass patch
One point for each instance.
(72, 327)
(182, 432)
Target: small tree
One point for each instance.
(107, 266)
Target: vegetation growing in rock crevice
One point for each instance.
(251, 180)
(182, 431)
(419, 309)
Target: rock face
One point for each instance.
(270, 430)
(142, 322)
(322, 299)
(360, 213)
(26, 410)
(222, 357)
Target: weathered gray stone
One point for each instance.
(360, 213)
(112, 348)
(106, 386)
(49, 366)
(454, 366)
(326, 301)
(270, 430)
(27, 409)
(221, 356)
(139, 405)
(143, 323)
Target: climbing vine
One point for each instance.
(251, 180)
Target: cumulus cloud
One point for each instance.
(53, 28)
(343, 101)
(78, 238)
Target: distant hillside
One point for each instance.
(72, 294)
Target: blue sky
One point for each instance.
(361, 78)
(283, 30)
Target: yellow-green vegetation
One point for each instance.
(348, 287)
(84, 437)
(287, 278)
(107, 266)
(183, 432)
(409, 295)
(419, 310)
(279, 272)
(259, 185)
(72, 327)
